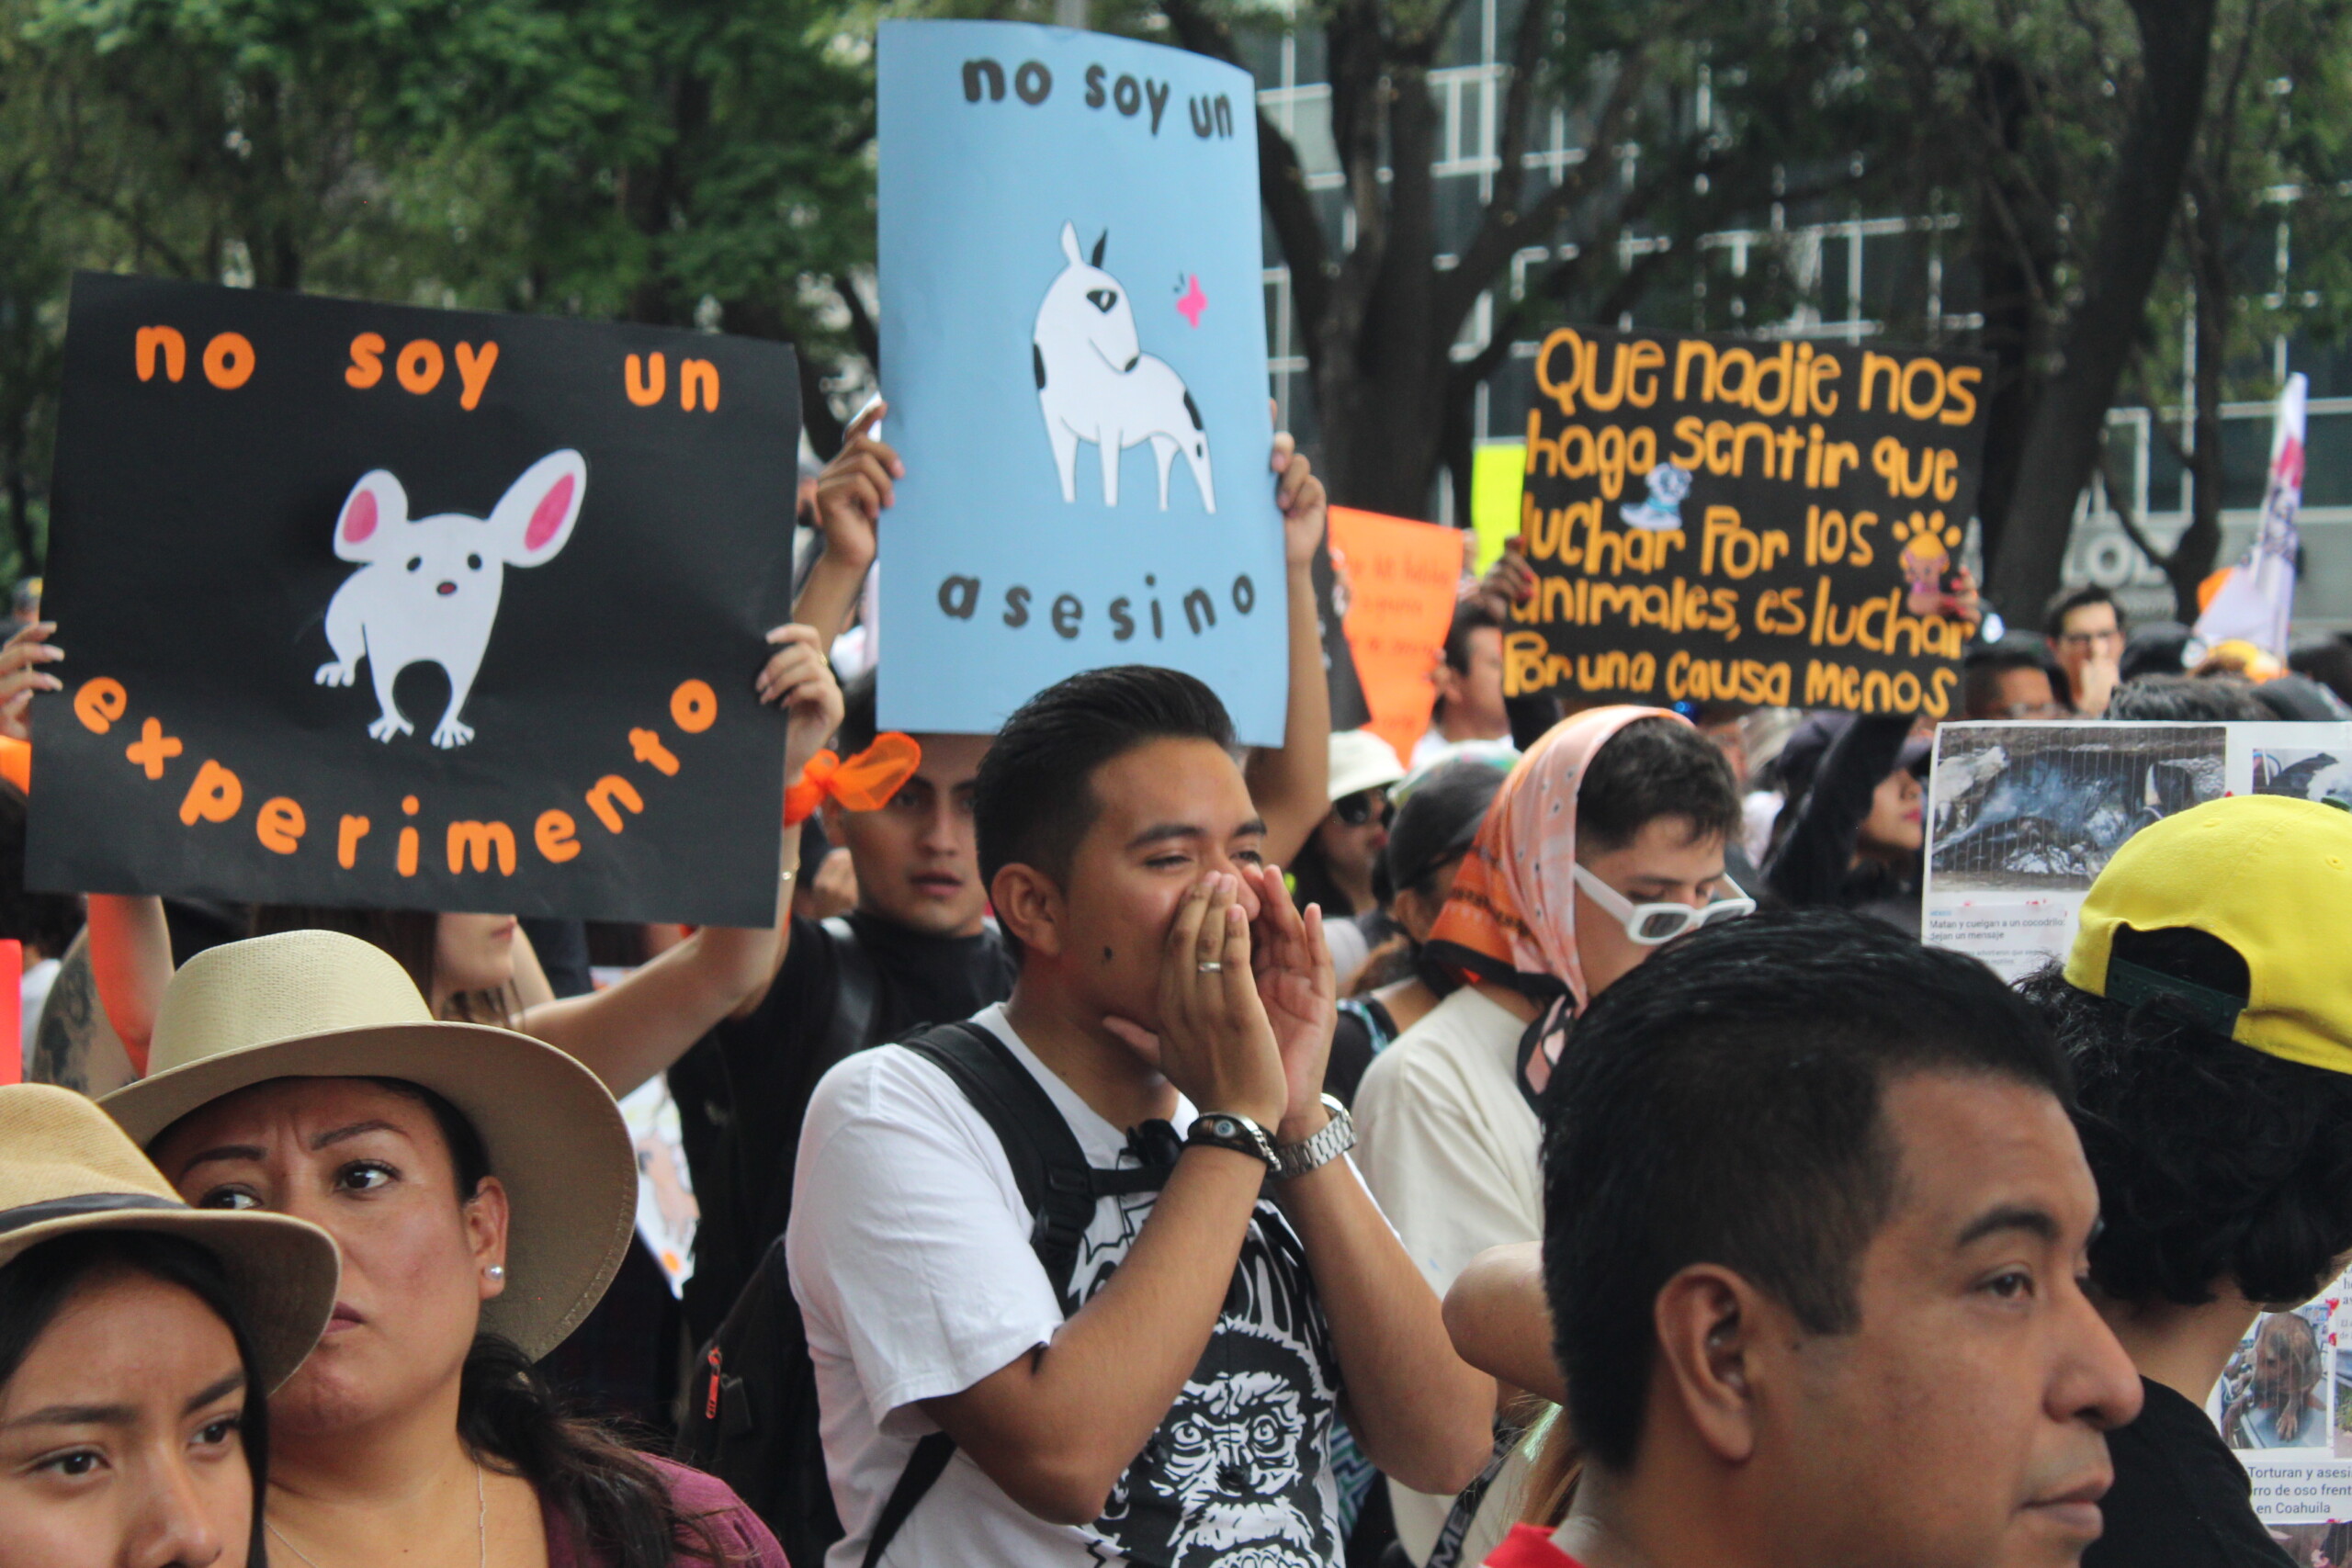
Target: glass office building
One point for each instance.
(1849, 272)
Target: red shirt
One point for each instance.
(1530, 1546)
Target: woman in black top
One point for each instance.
(1437, 817)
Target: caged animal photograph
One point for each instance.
(2040, 808)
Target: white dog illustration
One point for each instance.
(427, 590)
(1095, 383)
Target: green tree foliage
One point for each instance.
(680, 161)
(2259, 254)
(693, 161)
(1685, 116)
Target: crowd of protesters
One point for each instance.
(1549, 1145)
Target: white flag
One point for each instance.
(2257, 598)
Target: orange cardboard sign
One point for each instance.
(1400, 578)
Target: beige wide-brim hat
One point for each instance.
(66, 1168)
(320, 1004)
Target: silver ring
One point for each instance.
(1213, 966)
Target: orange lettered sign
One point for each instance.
(1401, 578)
(1770, 521)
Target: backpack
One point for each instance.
(750, 1417)
(741, 1182)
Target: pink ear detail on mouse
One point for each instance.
(375, 506)
(535, 518)
(359, 517)
(548, 515)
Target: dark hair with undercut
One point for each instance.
(2217, 1165)
(2053, 625)
(1722, 1104)
(1652, 768)
(1033, 799)
(2215, 699)
(1982, 667)
(36, 1285)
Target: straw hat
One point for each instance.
(66, 1168)
(320, 1004)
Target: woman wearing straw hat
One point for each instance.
(481, 1186)
(480, 967)
(138, 1337)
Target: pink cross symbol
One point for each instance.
(1193, 303)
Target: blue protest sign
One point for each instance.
(1074, 347)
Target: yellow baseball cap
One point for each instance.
(2272, 878)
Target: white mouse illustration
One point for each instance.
(428, 589)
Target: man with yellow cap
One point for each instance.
(2206, 1010)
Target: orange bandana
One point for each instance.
(1513, 908)
(862, 783)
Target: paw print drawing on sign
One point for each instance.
(1927, 544)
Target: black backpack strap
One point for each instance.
(1056, 1184)
(924, 1467)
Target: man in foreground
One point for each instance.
(1607, 838)
(1815, 1224)
(1171, 1401)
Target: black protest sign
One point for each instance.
(1744, 521)
(1343, 687)
(370, 606)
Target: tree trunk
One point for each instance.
(2192, 555)
(2070, 415)
(2015, 260)
(1381, 375)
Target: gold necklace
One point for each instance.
(482, 1526)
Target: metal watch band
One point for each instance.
(1338, 1136)
(1225, 1130)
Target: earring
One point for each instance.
(496, 1272)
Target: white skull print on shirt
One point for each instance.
(1240, 1474)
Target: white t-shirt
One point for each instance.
(909, 1256)
(1453, 1153)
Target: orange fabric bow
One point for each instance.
(862, 783)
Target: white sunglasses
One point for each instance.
(1652, 924)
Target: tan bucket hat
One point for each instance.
(66, 1168)
(320, 1004)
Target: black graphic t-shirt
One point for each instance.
(1240, 1470)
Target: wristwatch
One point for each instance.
(1226, 1130)
(1338, 1136)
